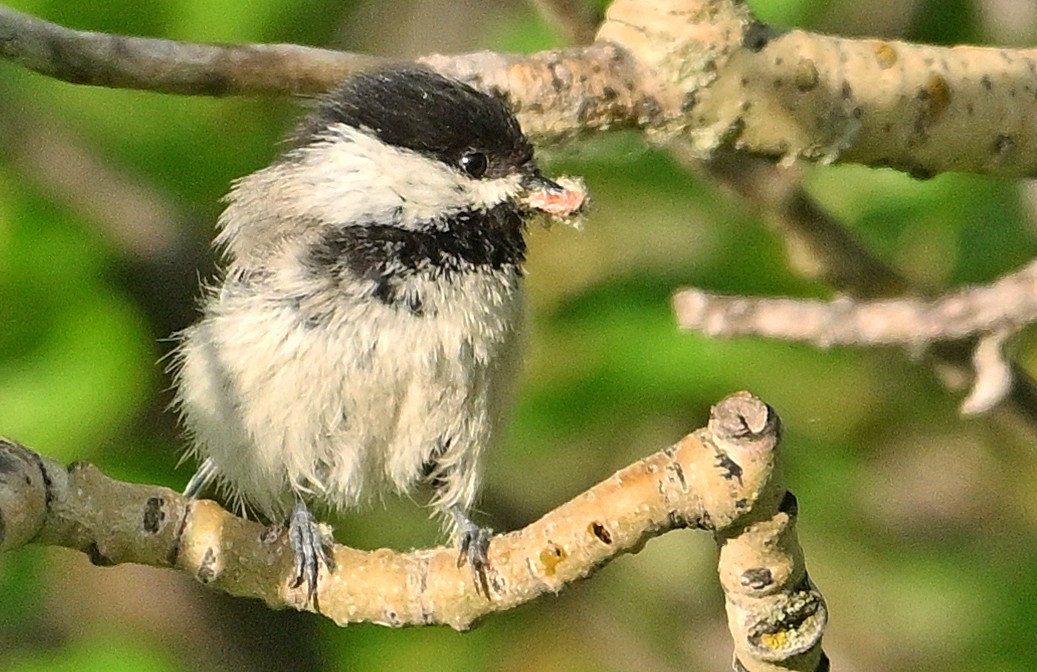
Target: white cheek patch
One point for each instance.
(351, 175)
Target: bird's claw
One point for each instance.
(310, 548)
(473, 548)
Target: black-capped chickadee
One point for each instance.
(365, 336)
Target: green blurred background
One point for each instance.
(919, 526)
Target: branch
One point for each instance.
(1006, 304)
(722, 79)
(117, 61)
(990, 314)
(723, 478)
(704, 71)
(137, 218)
(821, 248)
(556, 94)
(994, 375)
(575, 18)
(818, 246)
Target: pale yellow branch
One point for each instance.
(722, 79)
(722, 478)
(558, 94)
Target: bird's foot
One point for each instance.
(473, 547)
(310, 547)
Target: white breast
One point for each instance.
(335, 396)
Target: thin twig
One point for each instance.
(1006, 304)
(994, 374)
(986, 314)
(821, 248)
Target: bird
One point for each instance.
(365, 334)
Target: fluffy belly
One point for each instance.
(339, 410)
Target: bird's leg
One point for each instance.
(206, 474)
(310, 548)
(473, 544)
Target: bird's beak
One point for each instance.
(564, 200)
(534, 181)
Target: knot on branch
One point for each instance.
(23, 495)
(678, 47)
(743, 420)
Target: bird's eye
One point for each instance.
(474, 163)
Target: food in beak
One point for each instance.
(563, 200)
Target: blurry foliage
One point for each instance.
(100, 654)
(918, 525)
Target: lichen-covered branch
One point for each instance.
(704, 71)
(556, 94)
(561, 94)
(722, 79)
(723, 478)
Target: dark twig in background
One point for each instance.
(574, 18)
